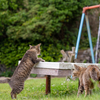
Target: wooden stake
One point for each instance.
(48, 84)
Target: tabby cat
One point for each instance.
(23, 70)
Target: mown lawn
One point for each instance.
(61, 89)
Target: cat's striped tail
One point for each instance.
(5, 81)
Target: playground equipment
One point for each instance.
(97, 44)
(88, 29)
(61, 68)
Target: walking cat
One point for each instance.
(85, 75)
(23, 70)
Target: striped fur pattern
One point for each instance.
(23, 70)
(86, 75)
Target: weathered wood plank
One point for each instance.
(62, 65)
(57, 68)
(64, 73)
(52, 72)
(44, 71)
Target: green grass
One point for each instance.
(61, 89)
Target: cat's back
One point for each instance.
(25, 66)
(92, 68)
(83, 69)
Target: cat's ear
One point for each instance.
(39, 44)
(30, 46)
(77, 67)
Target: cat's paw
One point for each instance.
(43, 60)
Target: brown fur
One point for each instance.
(23, 70)
(85, 75)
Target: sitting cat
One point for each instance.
(23, 70)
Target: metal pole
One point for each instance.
(97, 44)
(79, 35)
(89, 36)
(90, 7)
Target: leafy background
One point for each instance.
(54, 23)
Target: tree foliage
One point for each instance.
(51, 22)
(40, 19)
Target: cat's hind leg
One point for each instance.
(13, 94)
(16, 91)
(80, 90)
(86, 87)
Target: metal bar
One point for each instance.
(48, 83)
(89, 36)
(79, 35)
(90, 7)
(97, 44)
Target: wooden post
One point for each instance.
(48, 83)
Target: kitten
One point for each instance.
(85, 76)
(23, 70)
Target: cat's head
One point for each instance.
(36, 48)
(76, 71)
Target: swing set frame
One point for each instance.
(84, 15)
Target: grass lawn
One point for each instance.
(61, 89)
